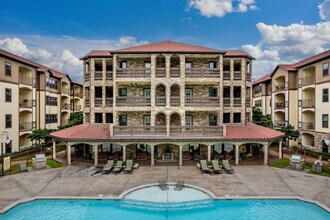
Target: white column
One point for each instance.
(124, 152)
(69, 154)
(265, 154)
(152, 155)
(280, 150)
(208, 152)
(236, 154)
(96, 155)
(54, 149)
(180, 155)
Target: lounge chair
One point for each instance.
(118, 167)
(179, 185)
(129, 166)
(204, 167)
(227, 166)
(108, 167)
(216, 167)
(162, 185)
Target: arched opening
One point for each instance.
(307, 140)
(25, 121)
(160, 95)
(308, 76)
(279, 83)
(160, 66)
(175, 95)
(308, 98)
(279, 101)
(175, 119)
(25, 75)
(65, 88)
(160, 119)
(24, 142)
(25, 97)
(167, 154)
(308, 120)
(279, 119)
(175, 66)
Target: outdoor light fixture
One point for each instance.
(5, 140)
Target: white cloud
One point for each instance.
(219, 8)
(61, 53)
(324, 10)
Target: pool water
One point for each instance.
(221, 209)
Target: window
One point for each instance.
(51, 100)
(226, 117)
(51, 83)
(188, 65)
(109, 118)
(122, 92)
(237, 117)
(237, 92)
(51, 118)
(212, 64)
(8, 95)
(325, 121)
(123, 120)
(8, 121)
(226, 92)
(213, 120)
(146, 120)
(189, 122)
(257, 89)
(147, 65)
(123, 65)
(98, 91)
(325, 69)
(108, 92)
(213, 92)
(7, 69)
(325, 96)
(98, 118)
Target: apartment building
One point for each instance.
(34, 96)
(262, 94)
(165, 100)
(300, 98)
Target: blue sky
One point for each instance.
(57, 33)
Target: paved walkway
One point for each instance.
(247, 181)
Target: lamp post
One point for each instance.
(5, 140)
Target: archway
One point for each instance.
(160, 66)
(160, 95)
(175, 66)
(175, 95)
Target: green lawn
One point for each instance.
(282, 163)
(54, 164)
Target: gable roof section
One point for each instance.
(262, 79)
(97, 53)
(238, 53)
(18, 58)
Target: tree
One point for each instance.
(75, 119)
(290, 133)
(261, 119)
(42, 135)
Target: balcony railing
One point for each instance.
(308, 80)
(98, 102)
(279, 123)
(87, 103)
(237, 75)
(308, 103)
(201, 101)
(26, 103)
(308, 125)
(237, 102)
(133, 72)
(109, 75)
(175, 100)
(25, 80)
(75, 107)
(108, 102)
(87, 77)
(160, 101)
(248, 76)
(25, 126)
(64, 121)
(65, 91)
(202, 72)
(78, 94)
(133, 101)
(226, 102)
(204, 131)
(139, 130)
(160, 72)
(226, 75)
(65, 106)
(248, 102)
(175, 72)
(98, 75)
(279, 87)
(279, 105)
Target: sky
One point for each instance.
(57, 33)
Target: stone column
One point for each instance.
(124, 152)
(266, 154)
(92, 91)
(152, 149)
(180, 155)
(96, 159)
(236, 154)
(54, 149)
(280, 150)
(208, 152)
(168, 125)
(69, 154)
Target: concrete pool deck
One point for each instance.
(248, 181)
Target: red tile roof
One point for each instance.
(237, 53)
(18, 58)
(84, 132)
(77, 83)
(251, 132)
(97, 53)
(262, 79)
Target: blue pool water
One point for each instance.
(220, 209)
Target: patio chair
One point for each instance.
(118, 167)
(162, 185)
(216, 167)
(204, 167)
(179, 185)
(108, 167)
(227, 167)
(129, 166)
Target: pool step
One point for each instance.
(160, 206)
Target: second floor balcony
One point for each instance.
(133, 73)
(25, 103)
(279, 105)
(198, 101)
(308, 80)
(133, 101)
(202, 72)
(308, 103)
(308, 125)
(25, 126)
(26, 80)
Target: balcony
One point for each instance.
(160, 101)
(237, 102)
(160, 72)
(139, 130)
(87, 102)
(279, 87)
(25, 80)
(198, 101)
(78, 94)
(133, 101)
(175, 72)
(65, 91)
(75, 107)
(98, 102)
(65, 106)
(175, 100)
(226, 102)
(308, 103)
(87, 77)
(279, 123)
(109, 75)
(248, 102)
(108, 102)
(226, 75)
(202, 72)
(307, 80)
(133, 73)
(26, 103)
(98, 75)
(237, 75)
(248, 76)
(25, 126)
(279, 105)
(200, 131)
(308, 125)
